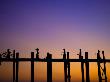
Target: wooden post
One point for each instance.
(14, 66)
(82, 69)
(104, 66)
(98, 63)
(69, 76)
(32, 66)
(82, 65)
(65, 66)
(87, 68)
(17, 63)
(49, 68)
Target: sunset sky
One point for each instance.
(52, 25)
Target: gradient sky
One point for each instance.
(52, 25)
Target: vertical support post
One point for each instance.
(104, 66)
(17, 63)
(82, 65)
(87, 68)
(32, 66)
(49, 67)
(13, 65)
(98, 63)
(69, 76)
(65, 66)
(82, 69)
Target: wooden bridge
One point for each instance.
(14, 58)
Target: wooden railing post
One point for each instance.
(82, 69)
(69, 76)
(87, 68)
(17, 66)
(65, 66)
(98, 63)
(14, 66)
(104, 66)
(32, 66)
(49, 67)
(82, 65)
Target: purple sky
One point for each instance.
(55, 24)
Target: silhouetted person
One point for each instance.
(37, 54)
(8, 53)
(0, 59)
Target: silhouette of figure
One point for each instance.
(37, 54)
(0, 59)
(8, 53)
